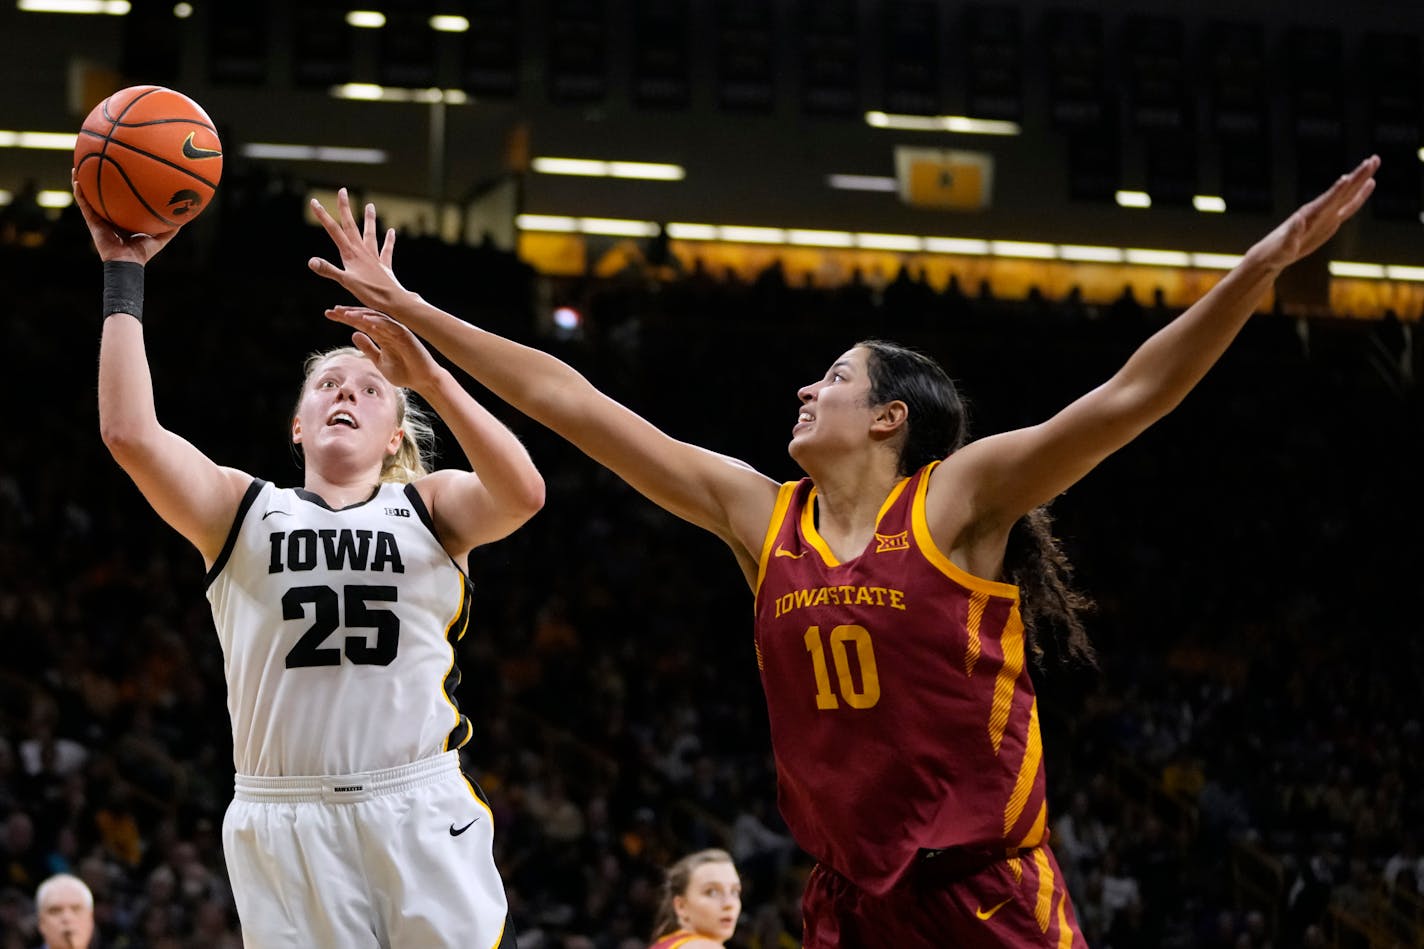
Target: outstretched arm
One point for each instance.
(469, 508)
(715, 492)
(197, 497)
(1002, 477)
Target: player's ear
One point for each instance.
(296, 431)
(890, 416)
(394, 444)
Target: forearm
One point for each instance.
(535, 383)
(126, 407)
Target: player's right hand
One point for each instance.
(114, 243)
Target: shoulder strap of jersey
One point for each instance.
(784, 498)
(248, 497)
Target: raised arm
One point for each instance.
(984, 488)
(197, 497)
(469, 508)
(713, 491)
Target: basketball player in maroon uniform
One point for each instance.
(890, 641)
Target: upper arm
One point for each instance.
(465, 512)
(195, 496)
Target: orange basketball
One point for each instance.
(148, 159)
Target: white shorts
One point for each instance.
(396, 859)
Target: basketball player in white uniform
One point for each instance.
(338, 605)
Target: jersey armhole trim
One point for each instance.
(778, 514)
(422, 512)
(925, 541)
(248, 497)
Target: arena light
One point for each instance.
(646, 170)
(333, 153)
(1028, 249)
(108, 7)
(597, 168)
(617, 227)
(546, 222)
(1350, 268)
(751, 235)
(901, 242)
(370, 92)
(1209, 203)
(599, 226)
(1157, 258)
(54, 199)
(449, 23)
(963, 246)
(45, 141)
(570, 166)
(5, 196)
(1133, 199)
(366, 19)
(805, 238)
(567, 318)
(949, 246)
(182, 10)
(862, 182)
(962, 124)
(692, 232)
(1089, 254)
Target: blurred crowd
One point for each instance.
(1242, 768)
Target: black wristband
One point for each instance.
(123, 288)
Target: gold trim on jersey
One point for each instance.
(773, 528)
(1065, 934)
(934, 555)
(1028, 770)
(1034, 837)
(1043, 905)
(462, 618)
(813, 536)
(1012, 641)
(977, 602)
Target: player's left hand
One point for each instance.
(365, 267)
(1316, 222)
(402, 358)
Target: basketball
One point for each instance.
(148, 159)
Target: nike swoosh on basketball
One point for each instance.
(456, 833)
(192, 151)
(983, 913)
(783, 552)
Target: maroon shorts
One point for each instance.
(946, 899)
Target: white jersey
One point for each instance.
(338, 632)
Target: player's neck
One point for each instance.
(342, 491)
(849, 497)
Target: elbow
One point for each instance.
(125, 440)
(531, 495)
(120, 439)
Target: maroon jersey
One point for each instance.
(902, 714)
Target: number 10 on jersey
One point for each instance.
(842, 638)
